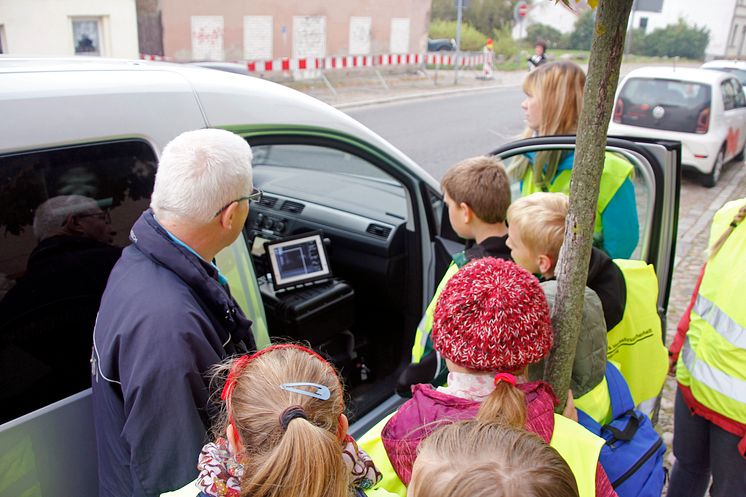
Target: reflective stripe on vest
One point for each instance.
(720, 321)
(577, 446)
(636, 343)
(712, 359)
(426, 323)
(616, 170)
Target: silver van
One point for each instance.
(94, 129)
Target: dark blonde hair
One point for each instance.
(539, 218)
(478, 459)
(304, 457)
(558, 87)
(482, 184)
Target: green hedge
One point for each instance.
(471, 39)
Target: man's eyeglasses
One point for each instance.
(104, 216)
(254, 196)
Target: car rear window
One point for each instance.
(663, 104)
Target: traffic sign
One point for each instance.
(520, 11)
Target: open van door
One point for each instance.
(657, 181)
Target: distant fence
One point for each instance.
(465, 59)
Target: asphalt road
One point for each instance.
(438, 132)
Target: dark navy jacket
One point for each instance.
(164, 321)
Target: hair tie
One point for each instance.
(506, 377)
(290, 414)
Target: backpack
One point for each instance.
(633, 453)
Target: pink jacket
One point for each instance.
(428, 409)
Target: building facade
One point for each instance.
(235, 30)
(69, 27)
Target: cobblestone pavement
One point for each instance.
(697, 206)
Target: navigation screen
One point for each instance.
(301, 258)
(298, 260)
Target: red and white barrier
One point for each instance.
(350, 61)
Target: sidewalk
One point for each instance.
(346, 89)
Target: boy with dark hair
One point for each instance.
(477, 193)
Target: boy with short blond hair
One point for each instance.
(535, 236)
(477, 193)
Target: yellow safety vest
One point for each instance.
(635, 345)
(712, 362)
(426, 323)
(616, 170)
(578, 447)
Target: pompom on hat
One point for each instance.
(492, 316)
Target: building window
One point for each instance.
(87, 35)
(399, 42)
(733, 34)
(257, 37)
(643, 23)
(3, 48)
(207, 37)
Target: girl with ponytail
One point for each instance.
(283, 432)
(491, 321)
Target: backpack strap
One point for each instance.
(621, 399)
(460, 259)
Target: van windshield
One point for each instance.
(664, 104)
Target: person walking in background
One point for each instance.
(167, 317)
(554, 99)
(539, 57)
(709, 354)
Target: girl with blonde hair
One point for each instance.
(283, 432)
(554, 99)
(488, 459)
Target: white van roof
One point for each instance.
(64, 100)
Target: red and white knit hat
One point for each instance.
(492, 316)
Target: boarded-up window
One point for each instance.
(207, 37)
(309, 36)
(399, 35)
(360, 35)
(257, 37)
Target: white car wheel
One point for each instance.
(712, 178)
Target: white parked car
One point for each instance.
(703, 109)
(736, 67)
(96, 127)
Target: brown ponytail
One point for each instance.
(740, 215)
(506, 405)
(287, 455)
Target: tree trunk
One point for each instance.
(572, 268)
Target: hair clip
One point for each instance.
(506, 377)
(230, 382)
(320, 392)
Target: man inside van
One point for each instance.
(167, 316)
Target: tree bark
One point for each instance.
(572, 268)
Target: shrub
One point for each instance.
(581, 37)
(550, 35)
(503, 42)
(471, 39)
(678, 39)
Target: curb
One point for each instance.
(420, 96)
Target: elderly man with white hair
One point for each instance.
(167, 317)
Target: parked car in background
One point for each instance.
(703, 109)
(94, 127)
(736, 67)
(441, 45)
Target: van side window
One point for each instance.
(65, 215)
